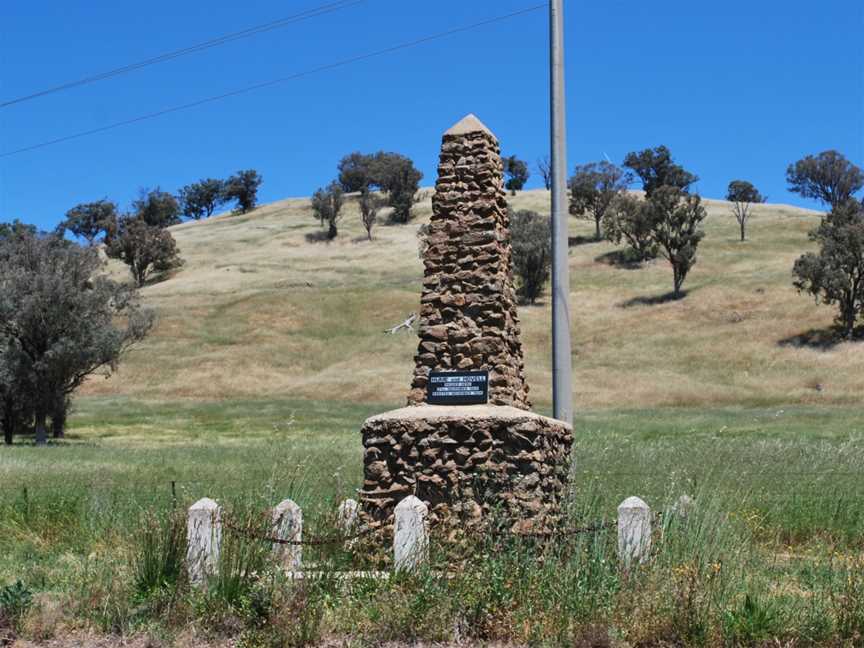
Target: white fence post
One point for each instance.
(634, 531)
(288, 525)
(203, 540)
(347, 515)
(410, 541)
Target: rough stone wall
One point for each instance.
(468, 318)
(462, 466)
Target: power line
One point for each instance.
(215, 42)
(266, 84)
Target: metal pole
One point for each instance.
(562, 390)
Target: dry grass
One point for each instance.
(259, 311)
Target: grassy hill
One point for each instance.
(260, 311)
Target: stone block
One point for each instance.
(410, 541)
(203, 540)
(634, 531)
(288, 525)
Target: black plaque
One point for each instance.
(458, 388)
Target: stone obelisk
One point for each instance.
(468, 318)
(468, 459)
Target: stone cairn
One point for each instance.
(468, 318)
(463, 462)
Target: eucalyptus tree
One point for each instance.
(743, 195)
(656, 168)
(676, 217)
(243, 187)
(828, 177)
(61, 322)
(835, 274)
(593, 190)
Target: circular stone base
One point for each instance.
(466, 460)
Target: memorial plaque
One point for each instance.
(458, 388)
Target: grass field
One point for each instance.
(270, 352)
(778, 495)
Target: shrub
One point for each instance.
(835, 274)
(532, 252)
(754, 622)
(15, 600)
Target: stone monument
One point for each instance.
(480, 447)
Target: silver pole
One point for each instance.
(562, 390)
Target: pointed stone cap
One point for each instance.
(469, 124)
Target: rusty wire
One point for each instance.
(248, 532)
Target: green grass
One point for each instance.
(795, 471)
(772, 551)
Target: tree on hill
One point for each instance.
(200, 199)
(517, 174)
(531, 235)
(58, 323)
(835, 274)
(544, 166)
(743, 195)
(629, 220)
(89, 221)
(396, 175)
(594, 188)
(392, 173)
(15, 229)
(146, 249)
(356, 171)
(327, 206)
(676, 219)
(656, 169)
(828, 177)
(243, 187)
(369, 205)
(157, 208)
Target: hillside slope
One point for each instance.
(260, 311)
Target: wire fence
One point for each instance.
(322, 541)
(173, 484)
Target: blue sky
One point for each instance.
(735, 89)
